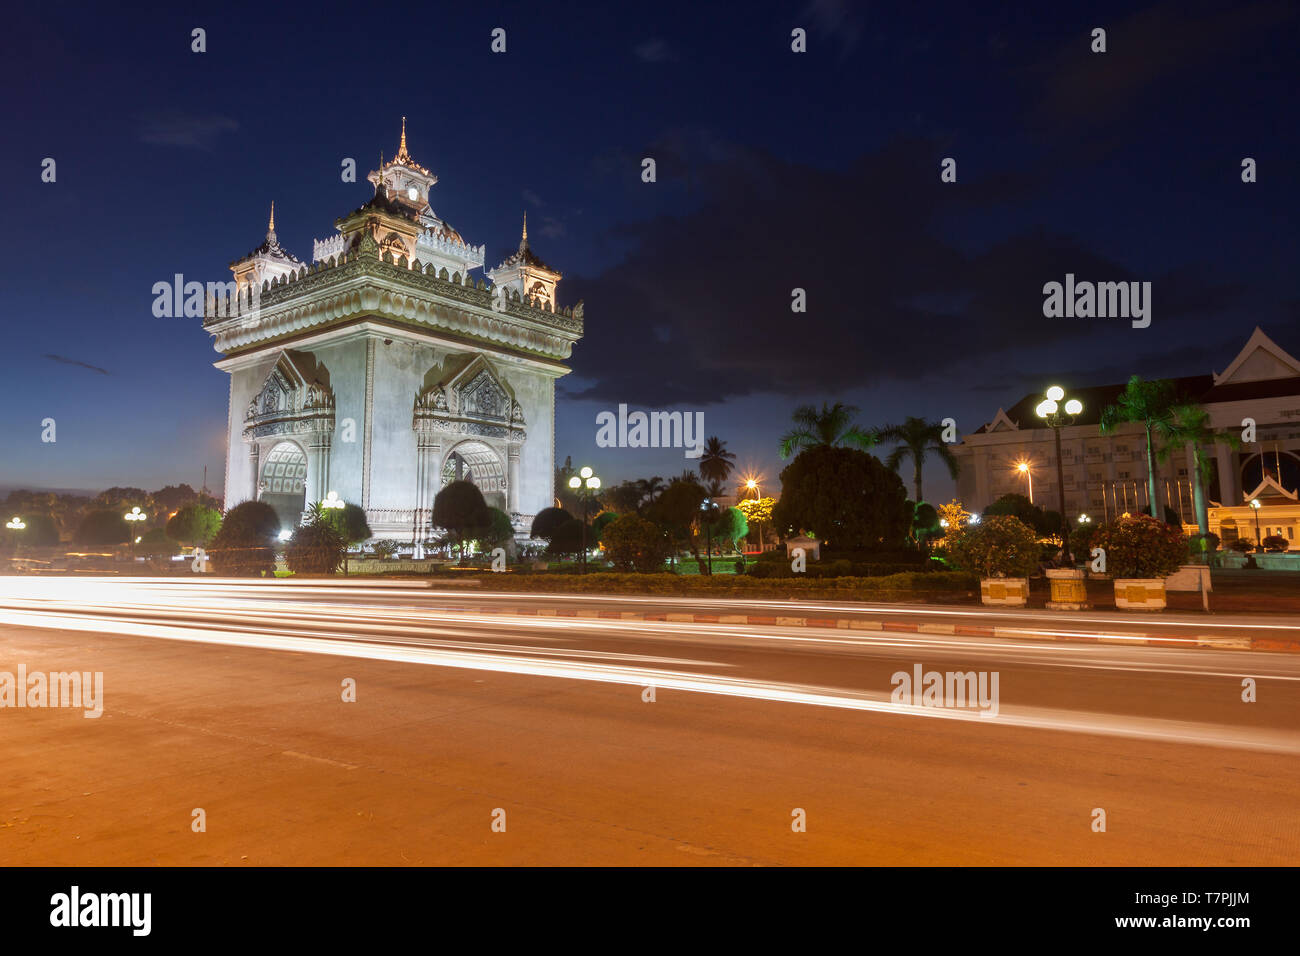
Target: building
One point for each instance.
(384, 369)
(1107, 475)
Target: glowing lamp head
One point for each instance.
(1254, 503)
(751, 484)
(575, 482)
(285, 534)
(585, 473)
(1073, 407)
(1022, 467)
(593, 482)
(974, 519)
(1056, 393)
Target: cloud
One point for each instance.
(532, 198)
(69, 361)
(652, 51)
(891, 296)
(174, 128)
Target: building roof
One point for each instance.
(525, 255)
(1095, 398)
(270, 247)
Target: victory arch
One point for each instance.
(384, 369)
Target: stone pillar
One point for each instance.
(318, 468)
(255, 470)
(428, 453)
(512, 480)
(1228, 489)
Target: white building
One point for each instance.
(383, 370)
(1107, 475)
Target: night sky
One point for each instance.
(775, 170)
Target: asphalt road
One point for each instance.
(228, 696)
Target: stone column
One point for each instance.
(428, 452)
(256, 476)
(318, 467)
(512, 479)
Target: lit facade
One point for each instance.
(1107, 475)
(384, 369)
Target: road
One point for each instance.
(602, 740)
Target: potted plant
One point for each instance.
(1141, 552)
(1003, 551)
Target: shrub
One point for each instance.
(1000, 546)
(1242, 545)
(1206, 543)
(154, 543)
(349, 521)
(548, 520)
(384, 548)
(316, 548)
(1275, 542)
(498, 530)
(459, 509)
(845, 497)
(1014, 505)
(41, 532)
(245, 544)
(194, 525)
(634, 544)
(1141, 546)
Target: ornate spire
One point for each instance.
(270, 229)
(379, 174)
(402, 154)
(523, 242)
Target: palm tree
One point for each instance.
(1188, 426)
(918, 438)
(689, 476)
(1150, 404)
(716, 463)
(651, 487)
(832, 426)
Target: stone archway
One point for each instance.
(283, 482)
(480, 463)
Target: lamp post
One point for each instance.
(585, 482)
(710, 512)
(751, 484)
(1259, 542)
(135, 515)
(334, 503)
(1057, 417)
(16, 524)
(1023, 468)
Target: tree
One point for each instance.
(832, 427)
(627, 496)
(600, 522)
(844, 496)
(497, 531)
(566, 538)
(154, 543)
(103, 526)
(315, 548)
(1188, 426)
(41, 531)
(1018, 506)
(918, 438)
(194, 524)
(634, 544)
(757, 512)
(245, 543)
(650, 488)
(716, 463)
(925, 524)
(124, 499)
(1149, 404)
(459, 509)
(729, 525)
(349, 521)
(676, 510)
(173, 498)
(548, 521)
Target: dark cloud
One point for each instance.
(69, 361)
(652, 51)
(706, 293)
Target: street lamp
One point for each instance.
(585, 483)
(16, 524)
(1084, 519)
(1023, 468)
(1057, 417)
(133, 516)
(1259, 542)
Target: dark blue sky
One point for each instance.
(776, 170)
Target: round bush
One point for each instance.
(1242, 545)
(1000, 546)
(634, 544)
(1275, 542)
(1141, 546)
(315, 549)
(245, 545)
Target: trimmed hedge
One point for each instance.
(609, 582)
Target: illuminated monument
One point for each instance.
(384, 369)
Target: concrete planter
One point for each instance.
(1004, 592)
(1069, 591)
(1140, 594)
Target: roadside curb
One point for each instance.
(1026, 633)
